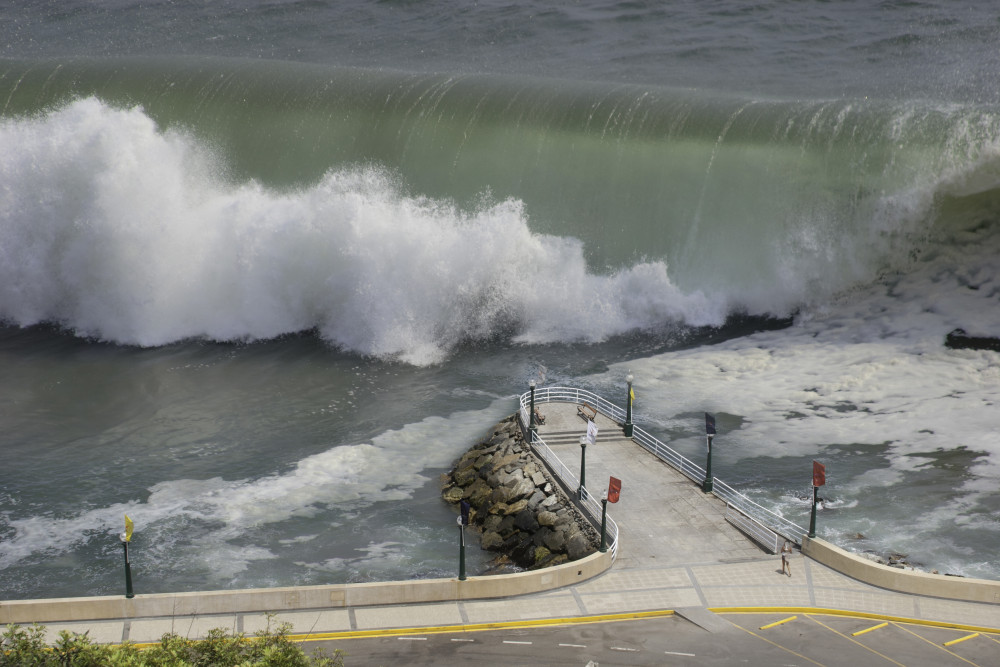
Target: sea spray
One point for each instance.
(118, 231)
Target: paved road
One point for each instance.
(806, 639)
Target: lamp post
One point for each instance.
(819, 479)
(463, 521)
(583, 466)
(531, 417)
(628, 407)
(706, 486)
(604, 522)
(128, 568)
(461, 550)
(812, 515)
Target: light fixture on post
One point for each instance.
(604, 522)
(125, 538)
(707, 485)
(532, 429)
(628, 407)
(583, 466)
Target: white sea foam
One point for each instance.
(869, 371)
(206, 519)
(119, 231)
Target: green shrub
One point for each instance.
(26, 647)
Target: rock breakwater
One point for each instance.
(520, 510)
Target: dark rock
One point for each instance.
(519, 506)
(490, 541)
(464, 476)
(479, 492)
(492, 523)
(522, 489)
(957, 339)
(536, 498)
(541, 555)
(506, 526)
(524, 553)
(526, 521)
(547, 519)
(577, 546)
(555, 540)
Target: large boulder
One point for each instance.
(526, 521)
(577, 546)
(464, 476)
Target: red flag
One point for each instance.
(614, 489)
(819, 474)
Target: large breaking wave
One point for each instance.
(401, 215)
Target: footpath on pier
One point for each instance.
(676, 552)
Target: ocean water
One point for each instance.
(268, 268)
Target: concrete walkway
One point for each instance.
(676, 552)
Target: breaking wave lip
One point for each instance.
(121, 232)
(116, 229)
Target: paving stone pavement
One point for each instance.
(676, 552)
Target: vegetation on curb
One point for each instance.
(26, 647)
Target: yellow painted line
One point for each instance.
(775, 644)
(823, 611)
(784, 620)
(474, 627)
(481, 627)
(937, 646)
(961, 639)
(874, 627)
(855, 642)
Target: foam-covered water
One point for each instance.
(265, 270)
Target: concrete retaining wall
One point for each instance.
(302, 597)
(904, 581)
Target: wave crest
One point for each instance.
(119, 231)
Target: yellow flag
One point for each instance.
(631, 394)
(128, 528)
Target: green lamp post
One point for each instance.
(533, 430)
(629, 427)
(706, 486)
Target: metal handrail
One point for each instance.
(586, 500)
(758, 532)
(779, 524)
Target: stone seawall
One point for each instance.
(521, 511)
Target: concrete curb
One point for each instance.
(303, 597)
(903, 581)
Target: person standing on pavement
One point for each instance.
(786, 554)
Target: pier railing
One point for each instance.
(592, 506)
(779, 524)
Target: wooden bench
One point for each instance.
(587, 412)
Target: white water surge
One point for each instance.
(121, 232)
(865, 385)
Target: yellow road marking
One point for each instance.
(962, 639)
(481, 627)
(823, 611)
(867, 648)
(935, 645)
(874, 627)
(784, 620)
(783, 648)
